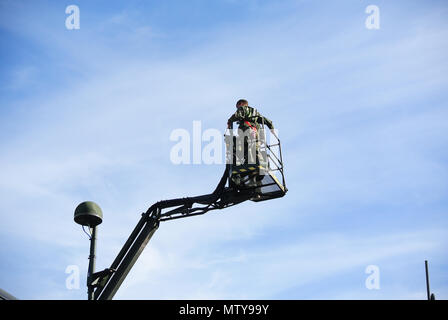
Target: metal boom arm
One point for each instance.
(107, 282)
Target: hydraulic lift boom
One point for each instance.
(104, 284)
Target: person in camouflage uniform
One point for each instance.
(248, 117)
(249, 125)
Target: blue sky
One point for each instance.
(362, 114)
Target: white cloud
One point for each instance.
(345, 143)
(268, 269)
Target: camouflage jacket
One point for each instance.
(248, 117)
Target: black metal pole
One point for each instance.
(91, 270)
(428, 291)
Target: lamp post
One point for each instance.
(89, 214)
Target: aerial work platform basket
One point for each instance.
(254, 162)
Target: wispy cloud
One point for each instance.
(363, 149)
(263, 272)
